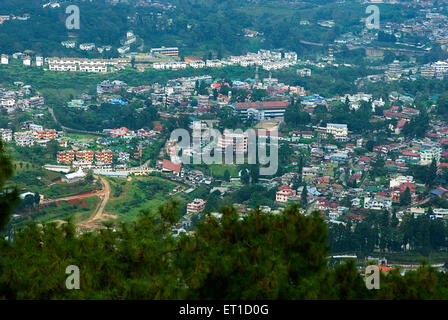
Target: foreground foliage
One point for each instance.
(262, 256)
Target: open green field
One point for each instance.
(81, 137)
(218, 170)
(31, 179)
(78, 210)
(130, 197)
(416, 258)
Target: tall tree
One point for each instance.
(304, 195)
(9, 198)
(405, 197)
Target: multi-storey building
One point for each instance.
(339, 131)
(238, 141)
(24, 139)
(66, 156)
(284, 194)
(197, 206)
(85, 156)
(104, 156)
(48, 134)
(174, 51)
(6, 134)
(84, 65)
(4, 59)
(262, 110)
(427, 155)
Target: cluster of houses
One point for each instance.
(35, 135)
(12, 100)
(267, 59)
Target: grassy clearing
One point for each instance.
(78, 210)
(130, 197)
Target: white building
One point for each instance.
(440, 213)
(377, 203)
(87, 46)
(27, 61)
(213, 63)
(440, 67)
(4, 59)
(238, 141)
(39, 61)
(291, 56)
(74, 177)
(427, 155)
(339, 131)
(80, 64)
(6, 134)
(398, 181)
(123, 49)
(7, 102)
(24, 139)
(197, 64)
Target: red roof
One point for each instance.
(258, 132)
(352, 216)
(401, 123)
(190, 59)
(384, 268)
(410, 153)
(169, 165)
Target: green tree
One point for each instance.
(304, 196)
(226, 175)
(9, 197)
(405, 197)
(245, 177)
(432, 173)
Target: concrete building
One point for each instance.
(6, 134)
(427, 155)
(195, 207)
(24, 139)
(238, 141)
(262, 110)
(4, 59)
(74, 177)
(339, 131)
(173, 51)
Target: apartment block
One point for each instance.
(24, 139)
(6, 134)
(197, 206)
(104, 156)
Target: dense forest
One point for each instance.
(202, 27)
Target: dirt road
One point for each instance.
(99, 214)
(76, 196)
